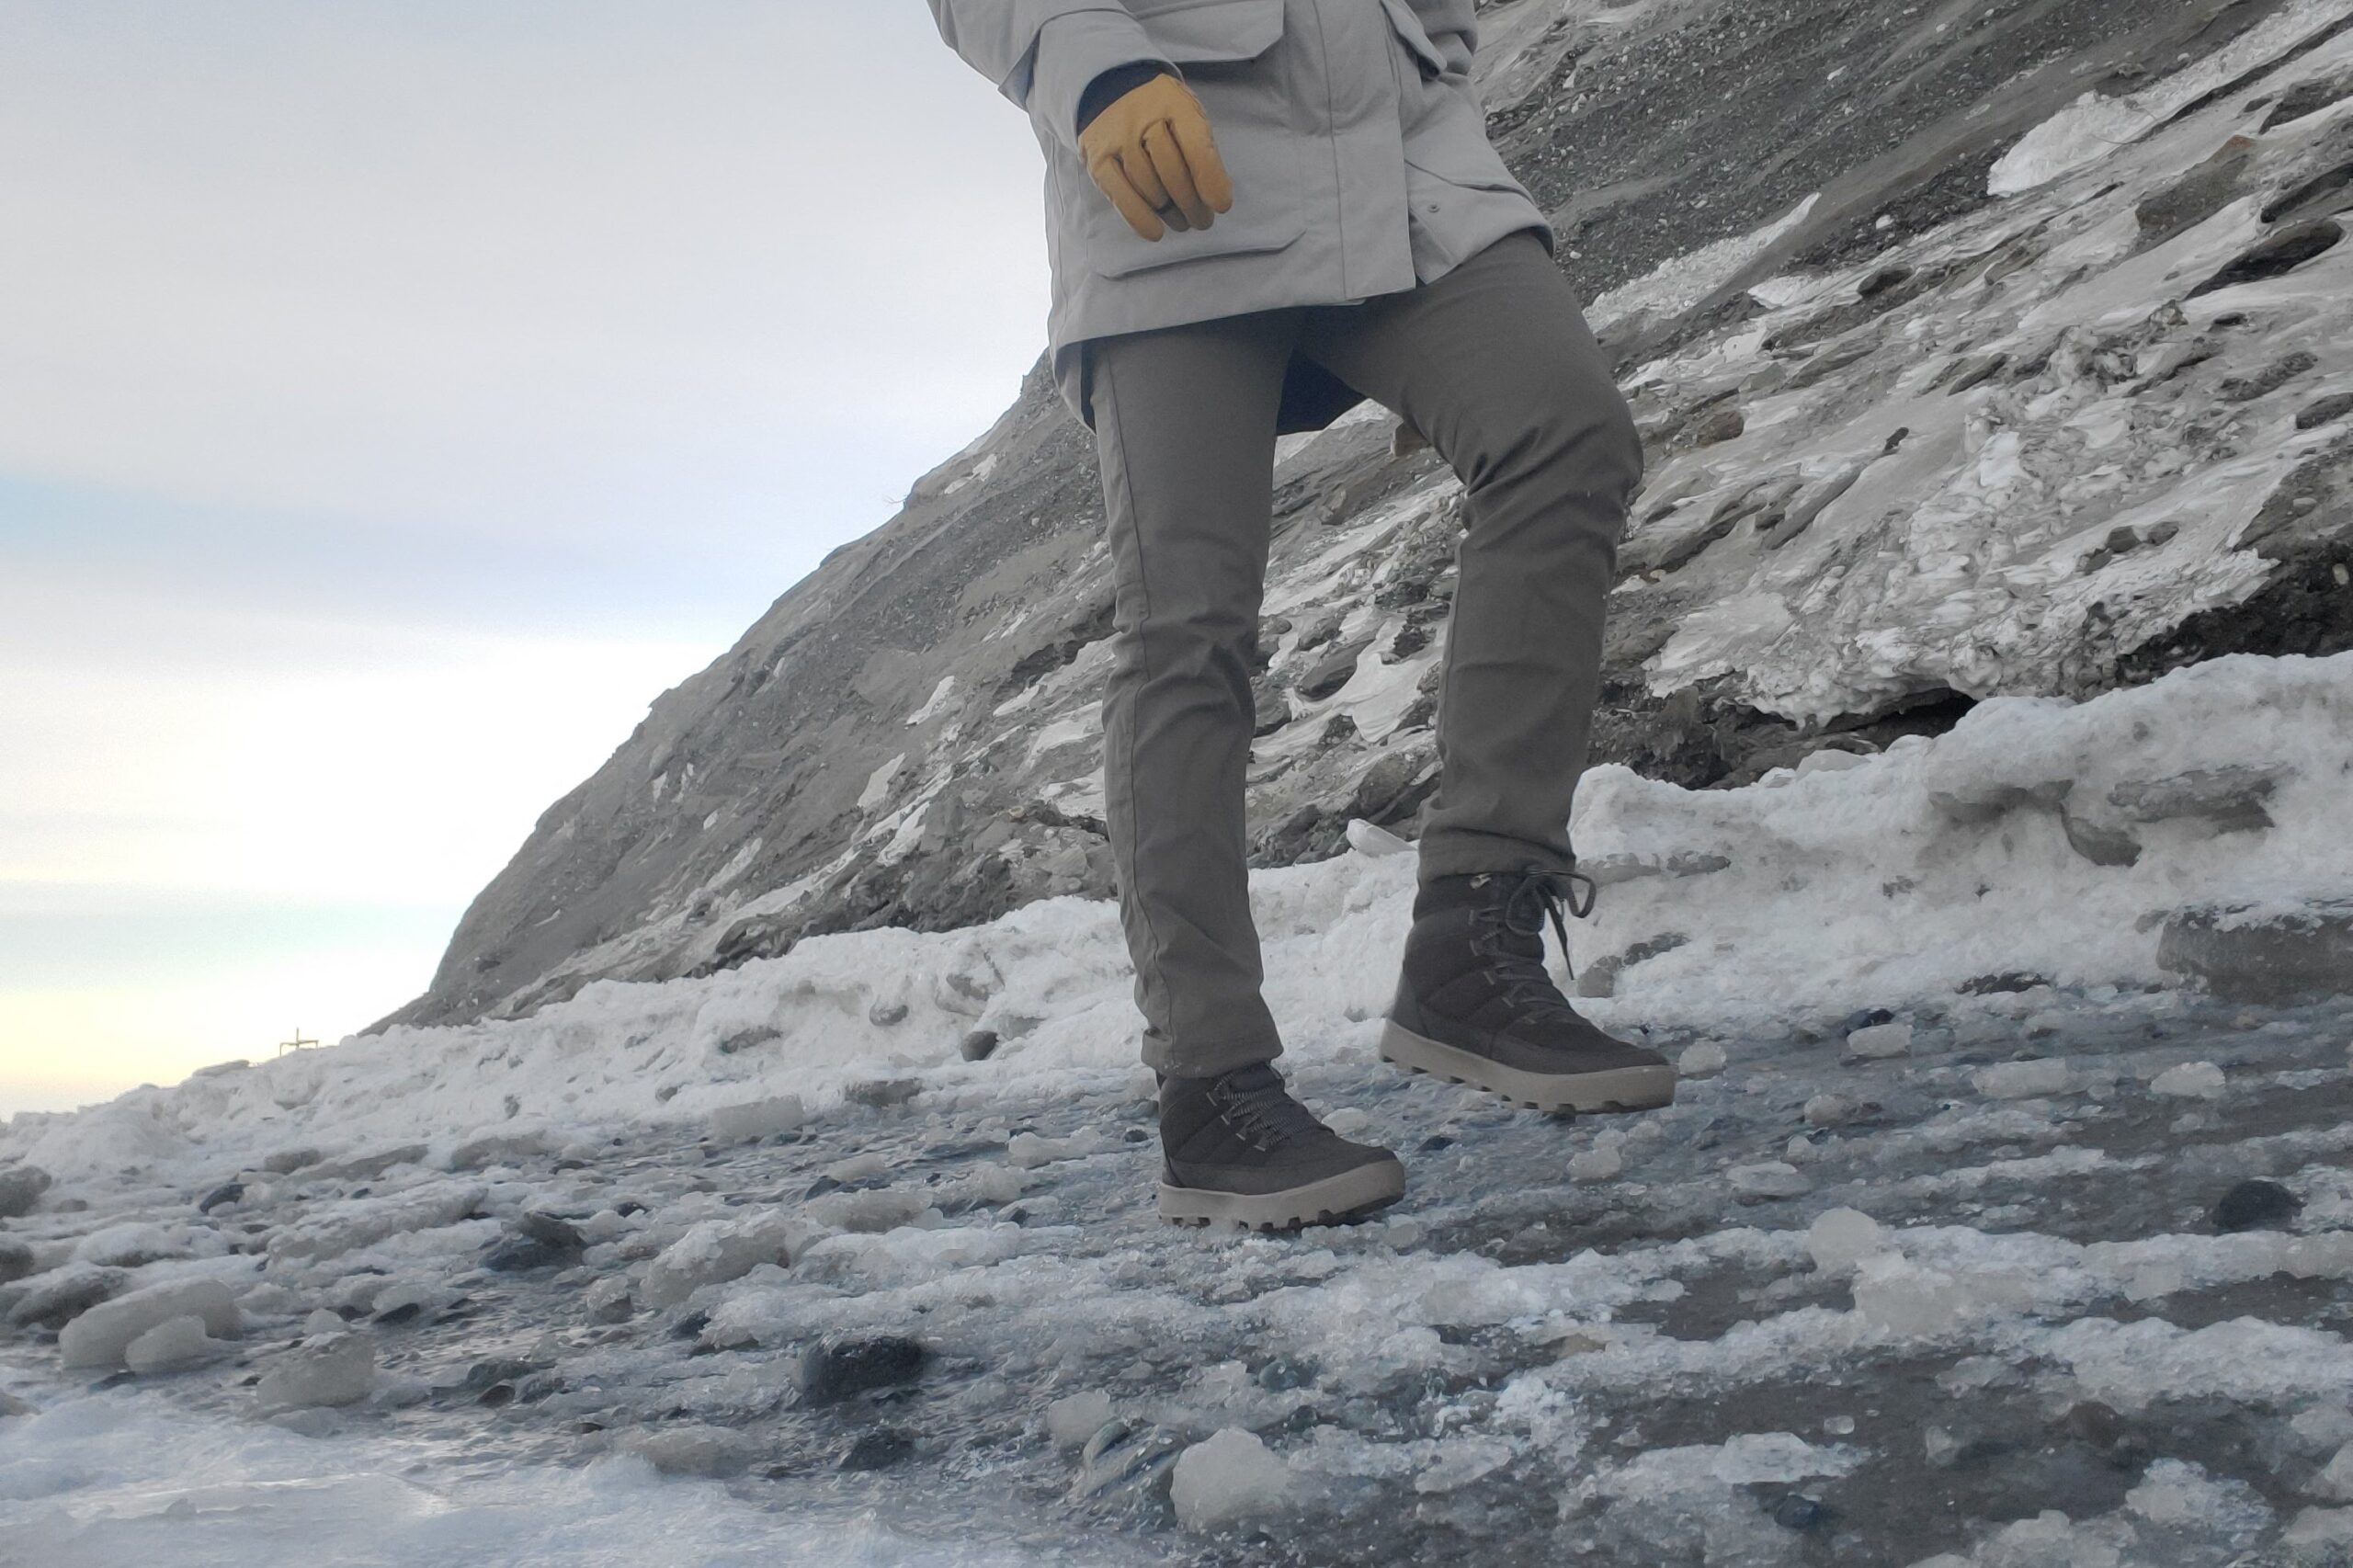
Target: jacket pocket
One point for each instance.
(1226, 51)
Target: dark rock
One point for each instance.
(2276, 256)
(1796, 1511)
(748, 1039)
(2324, 410)
(2007, 980)
(882, 1094)
(2230, 797)
(878, 1449)
(978, 1046)
(488, 1374)
(58, 1296)
(1882, 279)
(2270, 379)
(2196, 196)
(15, 1260)
(882, 1015)
(1272, 711)
(2307, 98)
(1600, 977)
(835, 1369)
(2256, 1205)
(550, 1229)
(408, 1312)
(1723, 425)
(2099, 844)
(1334, 670)
(227, 1192)
(2315, 198)
(689, 1325)
(286, 1162)
(2275, 959)
(20, 1188)
(496, 1396)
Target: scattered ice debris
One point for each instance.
(1704, 1060)
(1370, 839)
(692, 1449)
(2023, 1080)
(715, 1251)
(1600, 1163)
(1230, 1475)
(1878, 1042)
(758, 1118)
(1767, 1180)
(1029, 1151)
(2189, 1080)
(100, 1336)
(1840, 1238)
(1074, 1418)
(171, 1344)
(336, 1370)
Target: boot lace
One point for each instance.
(1253, 1101)
(1538, 894)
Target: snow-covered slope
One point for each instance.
(1980, 350)
(2003, 1213)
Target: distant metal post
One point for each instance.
(297, 1043)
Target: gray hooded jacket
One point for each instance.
(1356, 144)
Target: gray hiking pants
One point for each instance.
(1494, 364)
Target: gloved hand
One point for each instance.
(1151, 154)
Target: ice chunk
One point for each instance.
(1227, 1477)
(338, 1369)
(100, 1336)
(1704, 1060)
(2022, 1080)
(1840, 1238)
(694, 1450)
(719, 1250)
(1595, 1164)
(322, 1321)
(1029, 1151)
(858, 1168)
(2335, 1482)
(1071, 1421)
(1772, 1178)
(176, 1342)
(1880, 1041)
(2190, 1080)
(758, 1118)
(1461, 1462)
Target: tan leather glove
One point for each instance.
(1150, 152)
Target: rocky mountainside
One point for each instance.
(1985, 349)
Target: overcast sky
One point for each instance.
(396, 396)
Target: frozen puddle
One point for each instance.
(116, 1479)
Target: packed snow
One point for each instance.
(1966, 1196)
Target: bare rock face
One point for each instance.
(2269, 959)
(1962, 392)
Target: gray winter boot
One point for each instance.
(1238, 1147)
(1475, 1003)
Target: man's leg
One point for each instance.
(1494, 363)
(1184, 428)
(1184, 432)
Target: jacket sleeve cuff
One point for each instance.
(1073, 50)
(1111, 85)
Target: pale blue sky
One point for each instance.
(395, 398)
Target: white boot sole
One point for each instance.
(1335, 1198)
(1615, 1089)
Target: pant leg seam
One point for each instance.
(1143, 594)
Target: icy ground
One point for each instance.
(1973, 1230)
